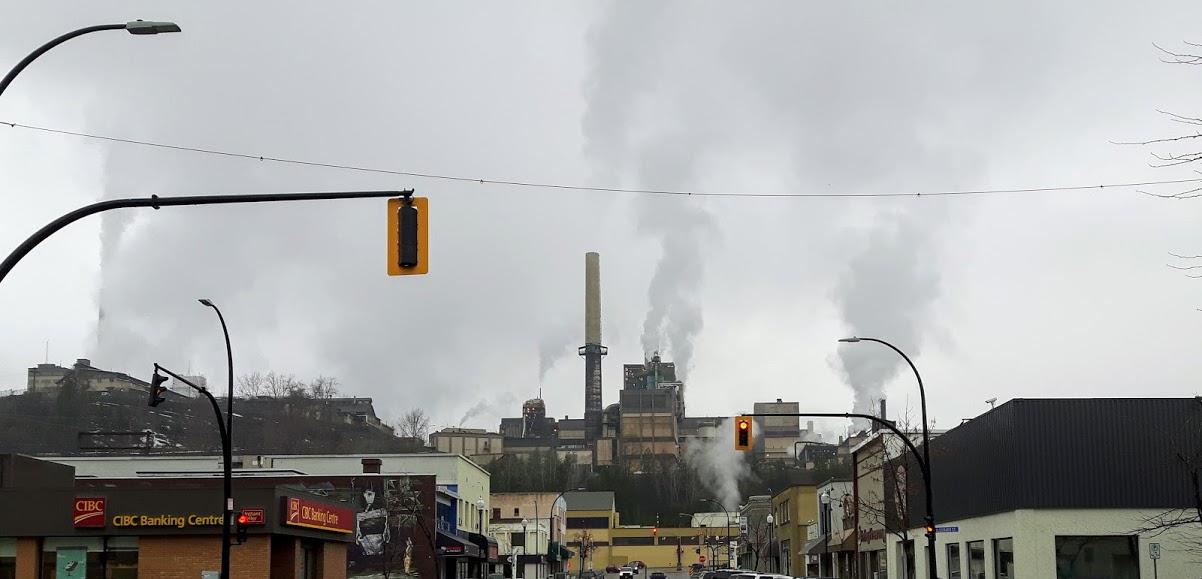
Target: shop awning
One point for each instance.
(454, 546)
(486, 544)
(843, 540)
(816, 547)
(565, 553)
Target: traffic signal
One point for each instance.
(655, 531)
(743, 433)
(408, 236)
(930, 531)
(242, 527)
(157, 390)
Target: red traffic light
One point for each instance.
(243, 519)
(655, 530)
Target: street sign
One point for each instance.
(701, 558)
(509, 559)
(947, 529)
(1154, 550)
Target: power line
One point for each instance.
(587, 188)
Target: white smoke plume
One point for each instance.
(718, 465)
(886, 292)
(554, 346)
(675, 310)
(496, 407)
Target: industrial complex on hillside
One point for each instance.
(648, 422)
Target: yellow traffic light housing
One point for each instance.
(743, 435)
(408, 236)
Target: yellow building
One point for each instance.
(793, 511)
(598, 539)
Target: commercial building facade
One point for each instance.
(54, 528)
(1064, 488)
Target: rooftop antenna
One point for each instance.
(990, 402)
(47, 351)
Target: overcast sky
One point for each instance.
(1011, 295)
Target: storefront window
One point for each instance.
(1003, 558)
(8, 558)
(101, 557)
(976, 560)
(1079, 557)
(953, 561)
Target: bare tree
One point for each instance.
(1184, 521)
(281, 385)
(323, 388)
(414, 424)
(756, 539)
(251, 385)
(889, 462)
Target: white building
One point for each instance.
(1063, 489)
(464, 478)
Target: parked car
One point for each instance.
(626, 573)
(611, 568)
(637, 565)
(591, 574)
(659, 575)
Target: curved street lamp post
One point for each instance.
(723, 507)
(136, 27)
(926, 452)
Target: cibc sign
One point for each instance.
(89, 512)
(315, 515)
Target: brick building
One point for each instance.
(170, 526)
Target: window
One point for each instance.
(953, 561)
(8, 558)
(1080, 557)
(496, 512)
(976, 560)
(782, 515)
(516, 512)
(309, 560)
(1003, 558)
(517, 539)
(787, 557)
(100, 557)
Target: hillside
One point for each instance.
(75, 422)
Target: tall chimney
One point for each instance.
(592, 351)
(371, 465)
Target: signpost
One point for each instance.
(701, 558)
(1154, 553)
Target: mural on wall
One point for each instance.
(394, 525)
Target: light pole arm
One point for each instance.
(12, 74)
(156, 202)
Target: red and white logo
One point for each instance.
(89, 511)
(293, 510)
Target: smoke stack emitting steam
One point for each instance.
(592, 350)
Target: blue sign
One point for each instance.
(947, 529)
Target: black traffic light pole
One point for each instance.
(156, 202)
(923, 466)
(227, 474)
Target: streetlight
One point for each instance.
(480, 508)
(551, 518)
(525, 539)
(227, 473)
(926, 451)
(825, 497)
(771, 546)
(723, 507)
(137, 27)
(155, 381)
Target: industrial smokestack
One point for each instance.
(592, 298)
(592, 350)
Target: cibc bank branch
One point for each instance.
(55, 527)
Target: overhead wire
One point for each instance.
(587, 188)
